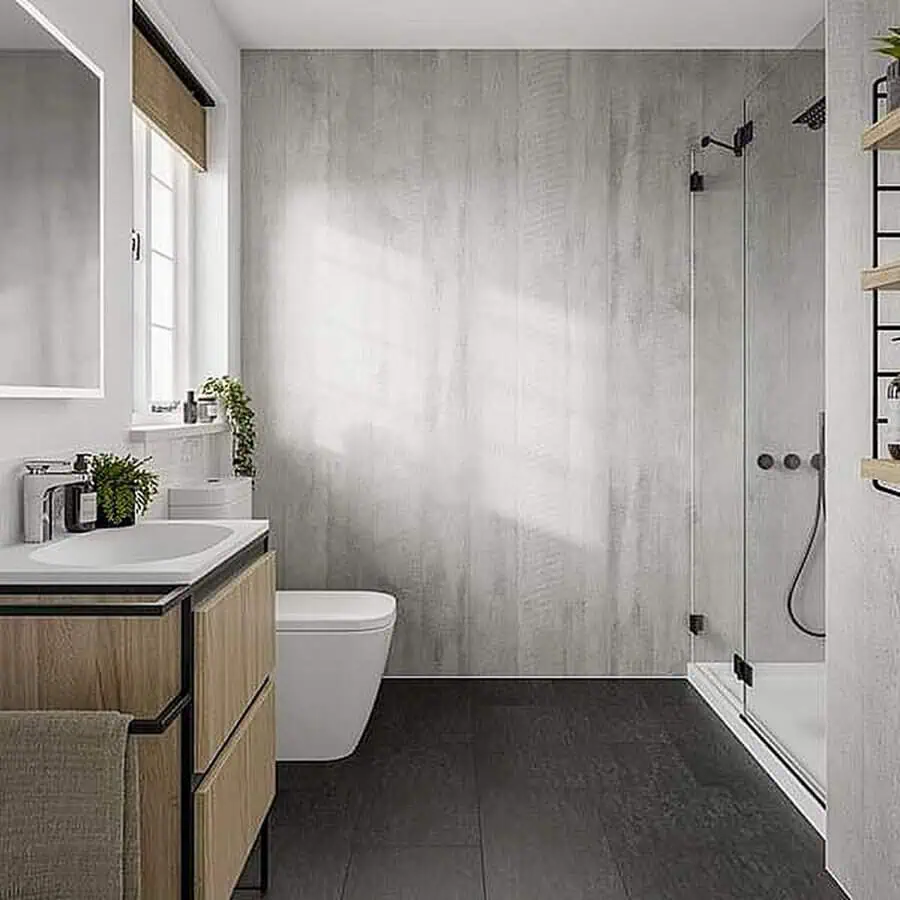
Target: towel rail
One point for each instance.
(160, 725)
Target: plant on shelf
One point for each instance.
(125, 488)
(240, 415)
(890, 47)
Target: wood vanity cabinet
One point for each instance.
(202, 656)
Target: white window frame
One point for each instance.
(183, 312)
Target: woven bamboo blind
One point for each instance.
(161, 96)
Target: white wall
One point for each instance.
(102, 30)
(863, 540)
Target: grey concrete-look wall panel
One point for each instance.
(863, 551)
(467, 331)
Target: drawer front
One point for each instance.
(132, 664)
(233, 799)
(234, 654)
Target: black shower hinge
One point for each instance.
(743, 137)
(697, 623)
(697, 185)
(743, 670)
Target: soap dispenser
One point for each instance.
(81, 500)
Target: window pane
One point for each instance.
(162, 291)
(162, 365)
(162, 218)
(162, 158)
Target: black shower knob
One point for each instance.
(765, 461)
(792, 462)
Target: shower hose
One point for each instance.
(818, 524)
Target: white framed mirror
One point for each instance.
(51, 211)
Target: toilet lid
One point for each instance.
(334, 610)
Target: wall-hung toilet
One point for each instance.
(331, 651)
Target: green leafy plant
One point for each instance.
(240, 415)
(890, 43)
(125, 486)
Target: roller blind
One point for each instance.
(162, 97)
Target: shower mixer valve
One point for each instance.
(791, 461)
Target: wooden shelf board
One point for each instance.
(884, 278)
(886, 470)
(884, 134)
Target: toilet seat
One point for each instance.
(341, 611)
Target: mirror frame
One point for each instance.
(36, 392)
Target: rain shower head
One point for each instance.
(814, 117)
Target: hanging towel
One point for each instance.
(69, 825)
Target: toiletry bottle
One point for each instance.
(81, 501)
(207, 409)
(190, 409)
(893, 417)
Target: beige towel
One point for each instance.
(68, 807)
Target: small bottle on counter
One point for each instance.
(190, 409)
(81, 500)
(207, 409)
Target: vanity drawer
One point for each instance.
(233, 800)
(234, 653)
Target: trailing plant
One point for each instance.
(890, 43)
(125, 486)
(240, 415)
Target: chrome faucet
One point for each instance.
(42, 478)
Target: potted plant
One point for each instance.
(239, 413)
(890, 47)
(125, 488)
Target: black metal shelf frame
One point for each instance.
(879, 94)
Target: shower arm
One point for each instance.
(706, 141)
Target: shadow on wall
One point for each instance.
(456, 467)
(467, 334)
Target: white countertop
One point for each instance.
(158, 553)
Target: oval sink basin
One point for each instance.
(149, 543)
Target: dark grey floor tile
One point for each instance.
(420, 796)
(415, 873)
(531, 812)
(571, 788)
(534, 742)
(543, 840)
(419, 713)
(516, 870)
(330, 785)
(616, 721)
(310, 853)
(614, 708)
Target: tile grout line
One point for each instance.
(472, 725)
(353, 843)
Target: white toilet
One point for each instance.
(331, 646)
(331, 650)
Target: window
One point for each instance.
(163, 277)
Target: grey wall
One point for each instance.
(50, 226)
(863, 550)
(467, 330)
